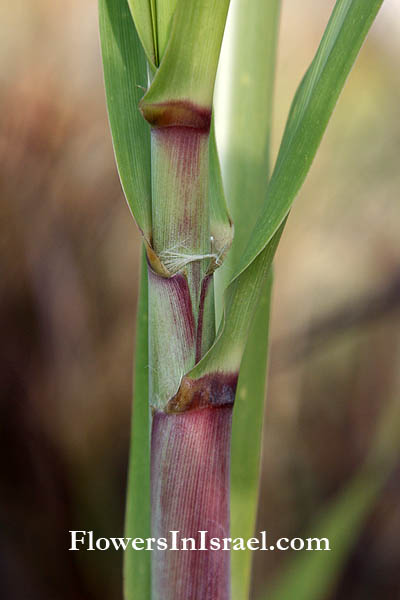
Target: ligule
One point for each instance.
(214, 390)
(176, 113)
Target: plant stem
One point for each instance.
(190, 446)
(181, 311)
(190, 493)
(181, 222)
(190, 438)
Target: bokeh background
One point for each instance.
(68, 285)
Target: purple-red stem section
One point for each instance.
(190, 493)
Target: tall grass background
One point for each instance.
(69, 273)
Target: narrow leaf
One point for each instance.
(346, 30)
(164, 11)
(145, 21)
(125, 76)
(153, 20)
(137, 517)
(248, 417)
(312, 107)
(241, 300)
(245, 168)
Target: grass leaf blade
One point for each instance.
(137, 565)
(124, 72)
(143, 17)
(345, 39)
(312, 107)
(246, 442)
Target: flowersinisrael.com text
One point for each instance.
(86, 540)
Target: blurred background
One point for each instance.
(68, 283)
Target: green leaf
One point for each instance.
(248, 103)
(172, 327)
(247, 426)
(188, 68)
(137, 517)
(124, 73)
(245, 168)
(143, 14)
(153, 20)
(312, 107)
(165, 11)
(241, 301)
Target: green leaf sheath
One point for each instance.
(249, 108)
(125, 77)
(189, 65)
(165, 10)
(241, 300)
(137, 518)
(181, 315)
(172, 335)
(153, 21)
(143, 14)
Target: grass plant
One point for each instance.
(202, 329)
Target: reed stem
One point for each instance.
(190, 494)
